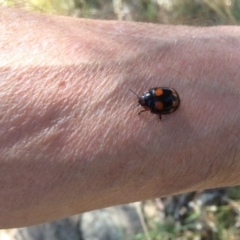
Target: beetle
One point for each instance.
(159, 100)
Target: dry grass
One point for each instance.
(190, 12)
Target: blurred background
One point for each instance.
(212, 214)
(190, 12)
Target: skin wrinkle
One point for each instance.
(212, 173)
(229, 166)
(25, 123)
(127, 137)
(51, 112)
(219, 170)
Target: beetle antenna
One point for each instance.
(133, 92)
(136, 95)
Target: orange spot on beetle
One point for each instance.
(158, 92)
(159, 105)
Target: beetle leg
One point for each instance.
(141, 112)
(160, 116)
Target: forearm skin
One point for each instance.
(71, 140)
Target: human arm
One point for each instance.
(71, 140)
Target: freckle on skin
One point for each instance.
(62, 84)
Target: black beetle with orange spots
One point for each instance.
(159, 100)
